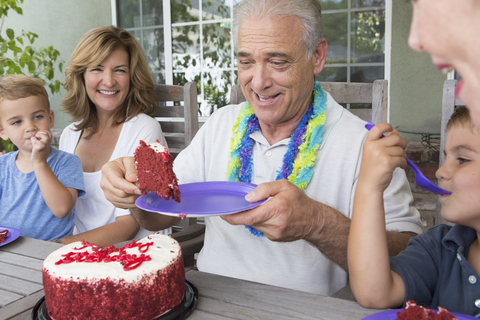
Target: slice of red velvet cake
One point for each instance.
(414, 312)
(3, 236)
(155, 171)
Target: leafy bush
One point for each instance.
(18, 56)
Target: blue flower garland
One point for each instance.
(300, 157)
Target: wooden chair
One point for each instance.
(179, 123)
(449, 103)
(375, 93)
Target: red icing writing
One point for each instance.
(109, 254)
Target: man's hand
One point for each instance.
(118, 178)
(289, 215)
(40, 146)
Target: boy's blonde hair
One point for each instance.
(461, 116)
(19, 86)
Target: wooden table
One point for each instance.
(219, 297)
(21, 276)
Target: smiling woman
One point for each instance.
(110, 98)
(447, 30)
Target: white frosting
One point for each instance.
(158, 147)
(163, 251)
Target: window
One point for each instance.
(355, 32)
(189, 40)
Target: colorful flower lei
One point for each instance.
(301, 155)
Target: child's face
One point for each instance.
(22, 118)
(460, 174)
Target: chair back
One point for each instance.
(179, 123)
(375, 93)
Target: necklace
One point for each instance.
(301, 155)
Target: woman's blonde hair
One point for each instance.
(94, 47)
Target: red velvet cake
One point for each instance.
(3, 236)
(414, 312)
(155, 171)
(141, 280)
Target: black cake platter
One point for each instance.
(180, 312)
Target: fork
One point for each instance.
(420, 179)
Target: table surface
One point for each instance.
(219, 297)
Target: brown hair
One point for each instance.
(94, 47)
(19, 86)
(461, 116)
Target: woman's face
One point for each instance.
(108, 83)
(448, 31)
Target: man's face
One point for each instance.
(23, 118)
(274, 72)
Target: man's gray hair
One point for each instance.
(308, 11)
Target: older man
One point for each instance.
(297, 143)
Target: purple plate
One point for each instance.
(202, 199)
(392, 315)
(12, 234)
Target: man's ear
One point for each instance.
(319, 56)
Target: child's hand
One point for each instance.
(40, 146)
(381, 155)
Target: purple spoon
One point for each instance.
(420, 179)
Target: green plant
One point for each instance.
(18, 56)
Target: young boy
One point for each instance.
(440, 267)
(39, 184)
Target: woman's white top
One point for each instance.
(93, 209)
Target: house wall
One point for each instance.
(59, 24)
(415, 84)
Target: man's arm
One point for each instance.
(291, 215)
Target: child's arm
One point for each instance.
(373, 283)
(122, 229)
(59, 199)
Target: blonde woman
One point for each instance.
(447, 30)
(110, 98)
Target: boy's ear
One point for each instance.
(52, 118)
(3, 135)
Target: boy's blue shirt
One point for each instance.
(436, 272)
(21, 201)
